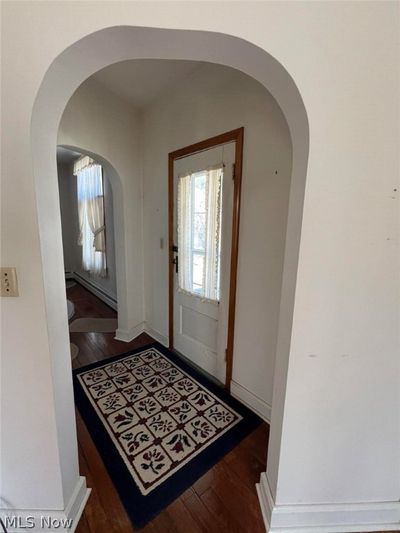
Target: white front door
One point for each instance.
(203, 207)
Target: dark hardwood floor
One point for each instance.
(223, 500)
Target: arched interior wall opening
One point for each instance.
(204, 99)
(67, 72)
(101, 124)
(114, 224)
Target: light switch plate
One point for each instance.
(8, 281)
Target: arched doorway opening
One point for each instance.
(118, 223)
(67, 72)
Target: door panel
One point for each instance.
(200, 324)
(197, 326)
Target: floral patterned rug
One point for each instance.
(158, 424)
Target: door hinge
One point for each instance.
(233, 171)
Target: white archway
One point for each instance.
(64, 76)
(119, 226)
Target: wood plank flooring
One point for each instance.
(223, 500)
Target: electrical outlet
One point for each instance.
(8, 281)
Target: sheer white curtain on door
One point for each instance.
(199, 232)
(185, 233)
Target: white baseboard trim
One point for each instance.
(77, 502)
(253, 402)
(127, 335)
(162, 339)
(49, 521)
(97, 291)
(326, 518)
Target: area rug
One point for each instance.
(93, 325)
(158, 425)
(74, 350)
(70, 309)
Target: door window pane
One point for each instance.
(200, 191)
(198, 272)
(199, 232)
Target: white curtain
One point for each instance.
(95, 213)
(199, 232)
(82, 163)
(91, 216)
(213, 234)
(184, 224)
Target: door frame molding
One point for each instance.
(236, 136)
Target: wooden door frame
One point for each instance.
(236, 136)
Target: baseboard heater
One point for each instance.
(95, 289)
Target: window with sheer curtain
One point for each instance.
(199, 232)
(91, 216)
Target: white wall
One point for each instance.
(96, 121)
(336, 431)
(69, 215)
(210, 101)
(70, 231)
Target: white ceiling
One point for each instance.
(140, 81)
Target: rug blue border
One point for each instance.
(141, 509)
